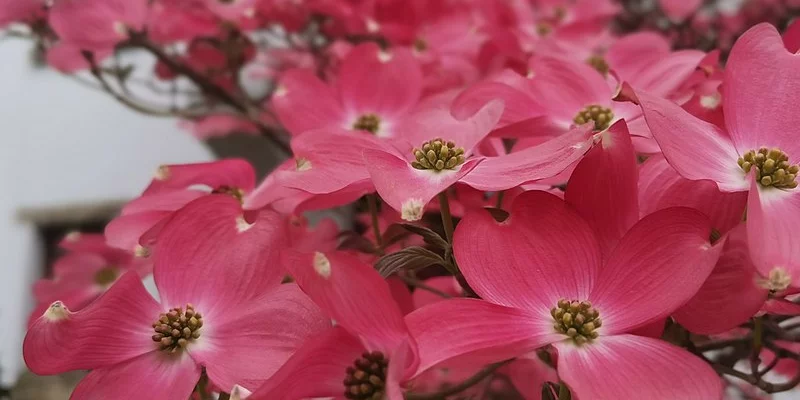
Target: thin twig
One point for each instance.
(758, 341)
(372, 203)
(721, 344)
(130, 103)
(249, 111)
(447, 218)
(768, 387)
(769, 366)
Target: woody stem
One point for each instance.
(372, 203)
(758, 333)
(447, 219)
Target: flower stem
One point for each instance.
(447, 219)
(372, 203)
(202, 387)
(758, 342)
(224, 396)
(500, 196)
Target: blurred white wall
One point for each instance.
(63, 145)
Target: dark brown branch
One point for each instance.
(466, 384)
(126, 101)
(721, 344)
(767, 387)
(768, 367)
(250, 112)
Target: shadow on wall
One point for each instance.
(34, 387)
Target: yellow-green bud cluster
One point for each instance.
(601, 116)
(438, 155)
(772, 167)
(576, 319)
(368, 122)
(234, 192)
(176, 328)
(366, 379)
(599, 63)
(106, 275)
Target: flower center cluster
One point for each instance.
(366, 379)
(106, 276)
(601, 116)
(772, 167)
(576, 319)
(438, 155)
(543, 29)
(420, 44)
(599, 63)
(237, 193)
(177, 327)
(777, 281)
(368, 122)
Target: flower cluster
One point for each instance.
(542, 206)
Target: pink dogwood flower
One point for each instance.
(561, 93)
(222, 310)
(408, 180)
(375, 89)
(543, 281)
(755, 153)
(172, 187)
(326, 171)
(369, 354)
(89, 268)
(734, 292)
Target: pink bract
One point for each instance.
(88, 269)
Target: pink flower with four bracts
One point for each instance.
(222, 311)
(407, 178)
(543, 282)
(756, 153)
